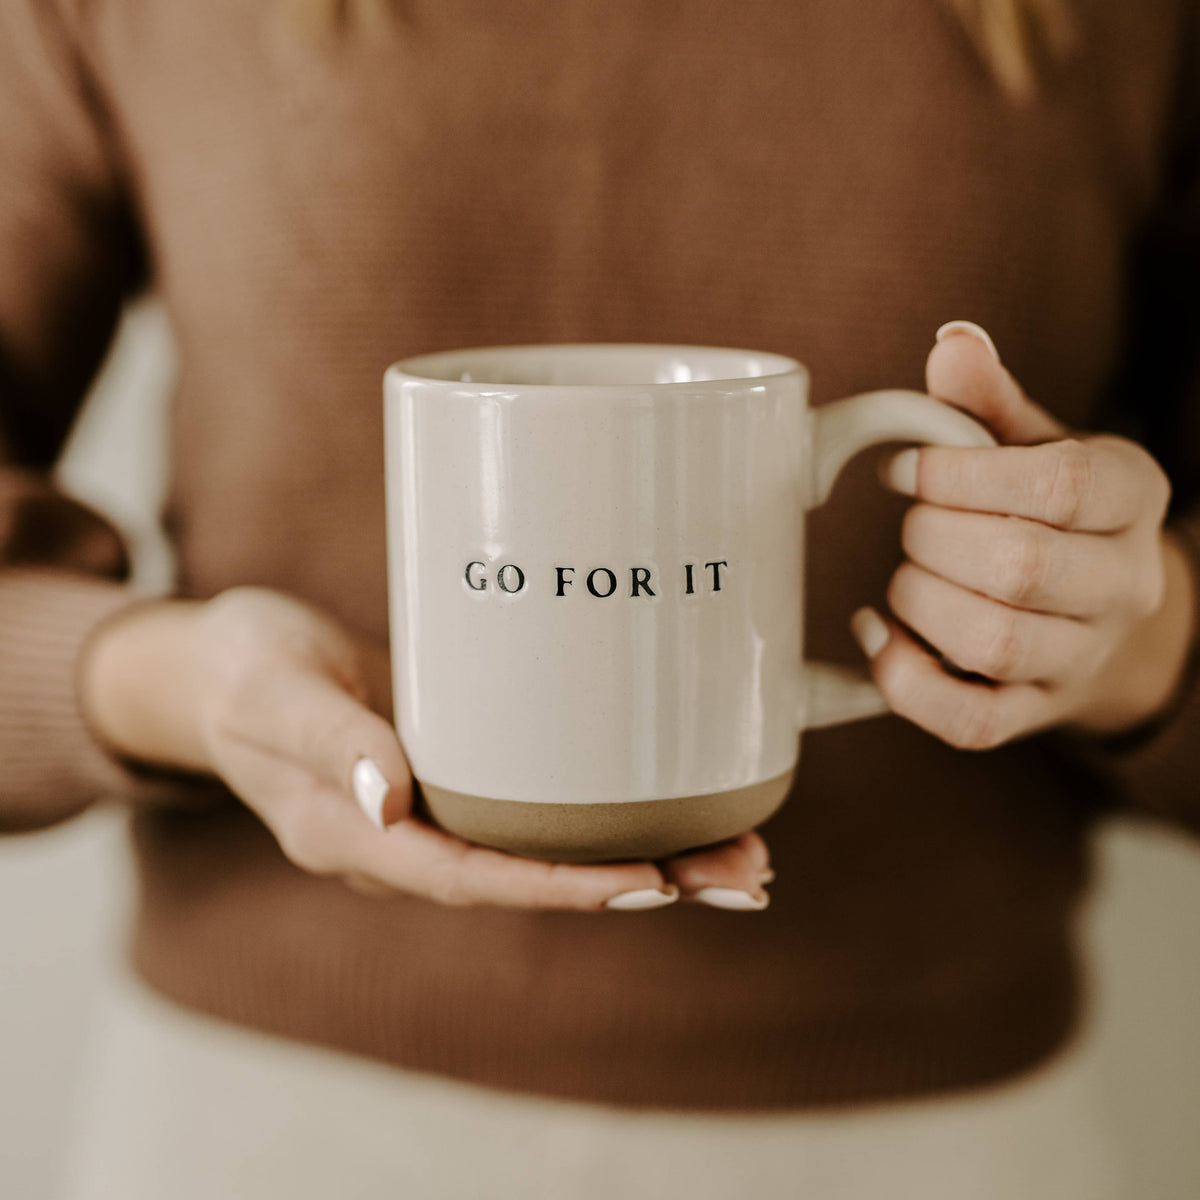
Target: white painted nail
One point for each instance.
(643, 899)
(971, 330)
(900, 471)
(370, 790)
(869, 631)
(732, 899)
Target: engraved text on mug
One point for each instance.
(601, 582)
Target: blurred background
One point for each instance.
(64, 894)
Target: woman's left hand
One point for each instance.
(1041, 566)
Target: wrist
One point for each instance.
(138, 681)
(1142, 681)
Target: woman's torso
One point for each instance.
(825, 180)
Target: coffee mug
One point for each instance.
(596, 580)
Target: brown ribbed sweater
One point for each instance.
(828, 180)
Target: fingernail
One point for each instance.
(971, 330)
(767, 876)
(370, 790)
(869, 631)
(732, 899)
(643, 899)
(900, 471)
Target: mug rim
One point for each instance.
(411, 368)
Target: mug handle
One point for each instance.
(837, 432)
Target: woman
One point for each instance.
(314, 198)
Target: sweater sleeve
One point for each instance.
(1157, 769)
(69, 255)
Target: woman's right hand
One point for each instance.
(283, 704)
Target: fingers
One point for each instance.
(1030, 563)
(307, 718)
(964, 370)
(731, 875)
(1019, 562)
(1100, 485)
(968, 716)
(419, 859)
(986, 637)
(324, 835)
(382, 803)
(285, 717)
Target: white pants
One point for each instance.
(181, 1107)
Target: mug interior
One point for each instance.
(596, 365)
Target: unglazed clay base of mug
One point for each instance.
(606, 832)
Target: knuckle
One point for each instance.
(448, 887)
(1149, 588)
(899, 682)
(972, 472)
(972, 727)
(557, 885)
(900, 590)
(235, 664)
(1092, 656)
(914, 528)
(952, 471)
(235, 621)
(367, 885)
(1001, 646)
(335, 743)
(235, 601)
(1021, 564)
(946, 472)
(238, 685)
(305, 845)
(450, 895)
(1069, 483)
(1155, 485)
(1161, 490)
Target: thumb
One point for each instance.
(964, 369)
(310, 719)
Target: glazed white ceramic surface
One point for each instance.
(566, 472)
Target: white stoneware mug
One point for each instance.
(596, 576)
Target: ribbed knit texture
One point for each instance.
(555, 1010)
(50, 764)
(822, 179)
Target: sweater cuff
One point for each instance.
(1158, 766)
(51, 766)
